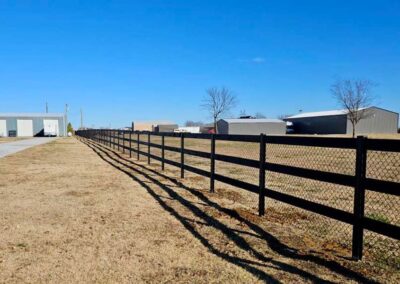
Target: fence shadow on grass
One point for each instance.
(128, 167)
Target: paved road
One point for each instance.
(16, 146)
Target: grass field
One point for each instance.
(382, 207)
(10, 139)
(72, 212)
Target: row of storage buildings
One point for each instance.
(375, 120)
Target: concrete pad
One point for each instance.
(17, 146)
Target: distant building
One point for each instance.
(251, 126)
(207, 128)
(377, 120)
(154, 126)
(188, 129)
(32, 124)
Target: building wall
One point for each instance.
(222, 127)
(188, 129)
(336, 124)
(38, 126)
(165, 128)
(141, 126)
(377, 121)
(256, 128)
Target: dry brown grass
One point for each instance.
(386, 166)
(67, 216)
(11, 139)
(70, 213)
(303, 227)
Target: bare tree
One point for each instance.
(283, 116)
(354, 96)
(259, 115)
(242, 113)
(193, 123)
(218, 102)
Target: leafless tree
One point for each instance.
(193, 123)
(242, 113)
(283, 116)
(218, 102)
(259, 115)
(354, 96)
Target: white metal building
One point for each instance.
(32, 124)
(251, 126)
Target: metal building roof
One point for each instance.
(322, 113)
(22, 114)
(253, 120)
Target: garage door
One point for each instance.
(51, 127)
(3, 128)
(24, 127)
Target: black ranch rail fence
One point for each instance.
(140, 143)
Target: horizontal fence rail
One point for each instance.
(140, 143)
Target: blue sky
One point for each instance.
(135, 60)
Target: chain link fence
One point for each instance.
(383, 207)
(380, 165)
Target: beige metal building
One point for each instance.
(154, 126)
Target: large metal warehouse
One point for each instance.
(377, 120)
(32, 124)
(154, 126)
(251, 126)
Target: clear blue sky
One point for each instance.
(134, 60)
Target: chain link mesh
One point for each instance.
(383, 207)
(246, 150)
(202, 145)
(333, 160)
(378, 206)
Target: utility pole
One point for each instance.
(47, 107)
(66, 120)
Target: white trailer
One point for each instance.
(188, 129)
(51, 127)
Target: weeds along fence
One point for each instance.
(353, 181)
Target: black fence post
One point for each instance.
(162, 152)
(148, 148)
(130, 144)
(109, 137)
(119, 137)
(359, 198)
(212, 163)
(138, 146)
(114, 139)
(182, 155)
(261, 181)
